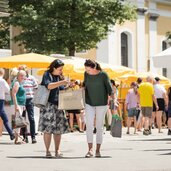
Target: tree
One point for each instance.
(4, 34)
(63, 26)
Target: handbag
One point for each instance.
(116, 126)
(41, 96)
(71, 99)
(18, 122)
(8, 97)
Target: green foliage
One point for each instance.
(4, 34)
(63, 26)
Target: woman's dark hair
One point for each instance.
(113, 82)
(92, 64)
(55, 64)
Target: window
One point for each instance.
(124, 49)
(164, 47)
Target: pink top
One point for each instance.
(131, 99)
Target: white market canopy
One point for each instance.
(163, 59)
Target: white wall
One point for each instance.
(5, 52)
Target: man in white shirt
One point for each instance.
(4, 88)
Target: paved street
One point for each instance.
(130, 153)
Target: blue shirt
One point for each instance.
(54, 93)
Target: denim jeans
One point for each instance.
(5, 118)
(30, 112)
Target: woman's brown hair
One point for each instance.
(92, 64)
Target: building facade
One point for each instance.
(134, 43)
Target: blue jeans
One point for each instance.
(5, 118)
(30, 112)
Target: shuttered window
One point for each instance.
(124, 49)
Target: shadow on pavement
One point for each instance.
(158, 150)
(6, 143)
(164, 139)
(165, 154)
(43, 157)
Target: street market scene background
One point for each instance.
(128, 38)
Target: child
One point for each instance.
(132, 104)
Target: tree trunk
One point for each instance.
(71, 44)
(72, 51)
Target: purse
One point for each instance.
(41, 96)
(18, 122)
(116, 126)
(71, 99)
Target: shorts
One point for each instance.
(132, 112)
(161, 105)
(147, 111)
(74, 111)
(169, 109)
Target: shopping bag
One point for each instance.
(41, 96)
(116, 126)
(8, 97)
(71, 99)
(18, 122)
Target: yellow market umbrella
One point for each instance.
(74, 67)
(32, 60)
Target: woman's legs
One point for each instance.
(159, 120)
(57, 141)
(100, 115)
(47, 140)
(78, 117)
(90, 114)
(71, 121)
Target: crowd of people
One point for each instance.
(145, 102)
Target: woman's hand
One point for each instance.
(65, 82)
(16, 109)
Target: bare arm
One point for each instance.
(165, 99)
(57, 84)
(14, 92)
(155, 102)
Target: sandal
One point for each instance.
(48, 155)
(98, 155)
(17, 142)
(58, 155)
(89, 154)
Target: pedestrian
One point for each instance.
(162, 101)
(76, 112)
(97, 90)
(29, 84)
(169, 111)
(4, 88)
(132, 105)
(52, 120)
(146, 93)
(18, 99)
(140, 118)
